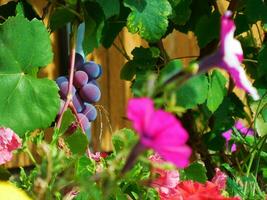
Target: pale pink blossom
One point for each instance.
(229, 56)
(9, 142)
(219, 179)
(166, 180)
(159, 130)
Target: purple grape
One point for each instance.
(90, 112)
(94, 82)
(64, 90)
(90, 93)
(78, 60)
(77, 102)
(84, 121)
(92, 69)
(80, 79)
(61, 79)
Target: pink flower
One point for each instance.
(229, 56)
(166, 180)
(219, 179)
(9, 142)
(159, 130)
(241, 128)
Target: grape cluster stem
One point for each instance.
(68, 102)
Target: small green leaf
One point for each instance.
(85, 167)
(181, 11)
(172, 68)
(110, 7)
(77, 142)
(149, 18)
(217, 90)
(67, 120)
(193, 92)
(196, 172)
(94, 23)
(60, 17)
(205, 23)
(26, 103)
(124, 138)
(128, 71)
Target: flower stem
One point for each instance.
(137, 149)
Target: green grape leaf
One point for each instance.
(149, 18)
(144, 59)
(67, 119)
(60, 17)
(193, 92)
(217, 90)
(113, 26)
(264, 113)
(196, 172)
(94, 23)
(110, 7)
(181, 11)
(77, 142)
(26, 103)
(205, 23)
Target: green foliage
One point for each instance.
(110, 8)
(60, 17)
(94, 23)
(204, 24)
(122, 139)
(181, 11)
(77, 142)
(196, 172)
(24, 46)
(193, 92)
(172, 68)
(217, 90)
(144, 59)
(149, 18)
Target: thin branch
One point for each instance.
(119, 50)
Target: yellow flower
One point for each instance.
(9, 191)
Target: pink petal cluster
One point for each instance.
(166, 180)
(159, 130)
(241, 128)
(229, 56)
(219, 179)
(9, 142)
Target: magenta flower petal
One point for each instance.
(140, 111)
(160, 131)
(9, 142)
(229, 56)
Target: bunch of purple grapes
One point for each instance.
(85, 90)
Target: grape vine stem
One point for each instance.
(73, 37)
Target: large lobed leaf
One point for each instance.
(149, 18)
(26, 103)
